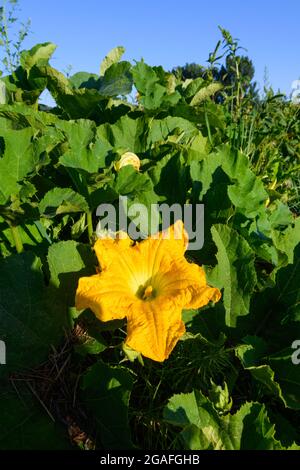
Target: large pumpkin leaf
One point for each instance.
(117, 80)
(111, 58)
(17, 161)
(202, 428)
(274, 316)
(127, 134)
(130, 182)
(247, 191)
(106, 392)
(235, 272)
(68, 261)
(39, 54)
(31, 321)
(61, 201)
(152, 84)
(84, 153)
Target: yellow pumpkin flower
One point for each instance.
(148, 283)
(128, 158)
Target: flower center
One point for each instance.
(146, 292)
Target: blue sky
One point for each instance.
(169, 33)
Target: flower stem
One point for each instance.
(17, 238)
(90, 225)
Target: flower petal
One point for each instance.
(202, 296)
(156, 253)
(177, 237)
(154, 329)
(105, 295)
(107, 249)
(186, 283)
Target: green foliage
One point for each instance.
(106, 391)
(203, 429)
(24, 422)
(112, 57)
(60, 201)
(235, 272)
(38, 55)
(17, 162)
(230, 383)
(30, 322)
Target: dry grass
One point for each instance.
(55, 385)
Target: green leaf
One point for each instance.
(205, 93)
(130, 182)
(62, 201)
(18, 160)
(250, 355)
(25, 425)
(82, 103)
(68, 261)
(79, 227)
(84, 80)
(111, 58)
(25, 116)
(276, 373)
(90, 346)
(126, 134)
(203, 429)
(84, 153)
(106, 393)
(138, 189)
(79, 133)
(144, 77)
(287, 374)
(275, 318)
(286, 433)
(212, 112)
(279, 306)
(190, 87)
(152, 84)
(220, 398)
(280, 215)
(198, 148)
(38, 55)
(202, 174)
(30, 234)
(31, 318)
(287, 240)
(247, 191)
(76, 103)
(160, 129)
(117, 80)
(170, 178)
(235, 272)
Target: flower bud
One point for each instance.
(128, 158)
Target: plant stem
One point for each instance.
(90, 225)
(17, 238)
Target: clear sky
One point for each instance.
(169, 32)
